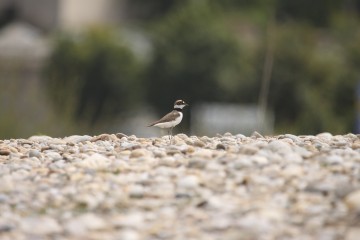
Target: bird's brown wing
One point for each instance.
(168, 117)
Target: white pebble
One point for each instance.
(189, 181)
(95, 161)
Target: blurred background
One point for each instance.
(89, 67)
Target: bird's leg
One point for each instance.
(170, 134)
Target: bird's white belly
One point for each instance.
(170, 124)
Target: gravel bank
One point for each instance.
(225, 187)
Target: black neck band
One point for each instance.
(178, 109)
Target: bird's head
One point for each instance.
(180, 104)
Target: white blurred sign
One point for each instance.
(212, 118)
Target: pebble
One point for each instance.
(53, 156)
(220, 146)
(197, 163)
(190, 181)
(40, 226)
(325, 136)
(198, 143)
(82, 224)
(260, 160)
(121, 135)
(240, 163)
(104, 137)
(5, 152)
(40, 138)
(278, 146)
(256, 135)
(333, 159)
(292, 171)
(203, 153)
(129, 234)
(95, 161)
(248, 149)
(140, 153)
(134, 220)
(136, 191)
(352, 201)
(34, 153)
(294, 138)
(77, 139)
(114, 186)
(353, 233)
(168, 161)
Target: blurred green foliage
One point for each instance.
(312, 87)
(92, 77)
(194, 58)
(214, 51)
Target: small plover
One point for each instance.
(171, 119)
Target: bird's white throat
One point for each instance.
(179, 106)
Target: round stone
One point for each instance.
(40, 225)
(140, 153)
(352, 200)
(190, 181)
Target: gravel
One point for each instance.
(114, 186)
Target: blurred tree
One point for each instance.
(8, 14)
(92, 77)
(153, 10)
(194, 58)
(317, 13)
(311, 84)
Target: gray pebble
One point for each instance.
(189, 181)
(35, 153)
(77, 139)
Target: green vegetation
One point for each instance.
(92, 78)
(194, 58)
(215, 51)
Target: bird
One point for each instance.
(171, 119)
